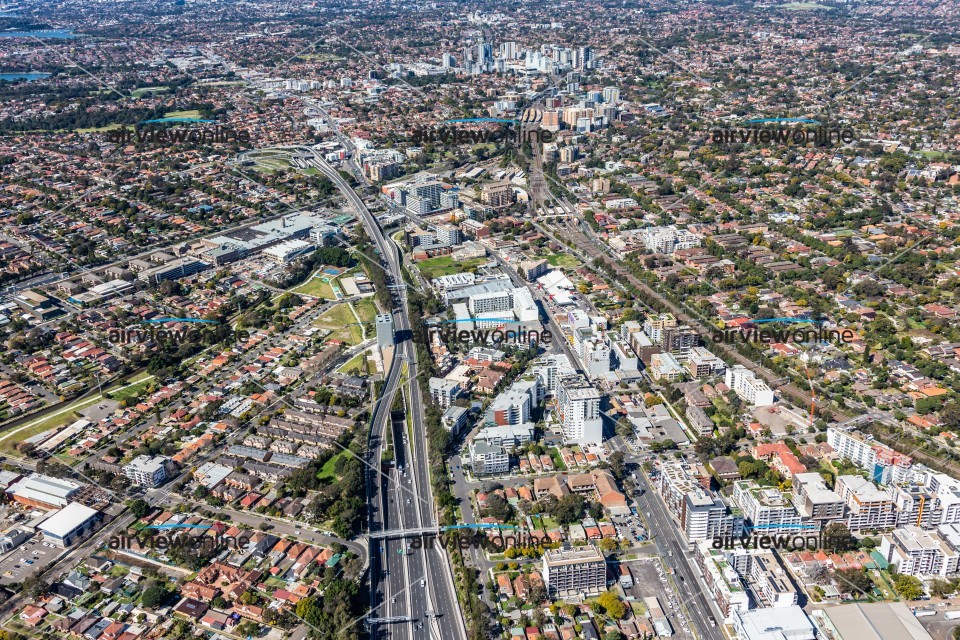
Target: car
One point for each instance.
(423, 583)
(16, 566)
(297, 532)
(393, 600)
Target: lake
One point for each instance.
(23, 76)
(61, 35)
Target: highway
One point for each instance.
(404, 583)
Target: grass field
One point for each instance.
(341, 321)
(109, 127)
(316, 287)
(356, 362)
(563, 261)
(445, 266)
(366, 309)
(326, 471)
(805, 6)
(269, 165)
(192, 113)
(139, 93)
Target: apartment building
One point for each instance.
(767, 509)
(701, 363)
(867, 506)
(488, 459)
(512, 407)
(444, 391)
(723, 582)
(882, 463)
(146, 471)
(814, 501)
(916, 505)
(947, 490)
(578, 406)
(670, 337)
(770, 581)
(574, 572)
(919, 553)
(705, 517)
(593, 349)
(750, 388)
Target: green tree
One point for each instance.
(908, 587)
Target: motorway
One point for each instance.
(403, 584)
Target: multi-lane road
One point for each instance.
(413, 586)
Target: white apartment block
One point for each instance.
(574, 572)
(919, 553)
(722, 580)
(916, 505)
(444, 391)
(593, 349)
(867, 506)
(750, 388)
(551, 369)
(146, 471)
(947, 490)
(668, 239)
(578, 406)
(882, 463)
(770, 581)
(705, 517)
(488, 459)
(814, 501)
(768, 510)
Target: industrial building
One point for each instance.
(69, 524)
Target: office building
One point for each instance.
(814, 501)
(867, 506)
(578, 406)
(285, 252)
(174, 270)
(384, 324)
(920, 553)
(574, 572)
(146, 471)
(750, 388)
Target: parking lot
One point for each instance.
(27, 559)
(650, 581)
